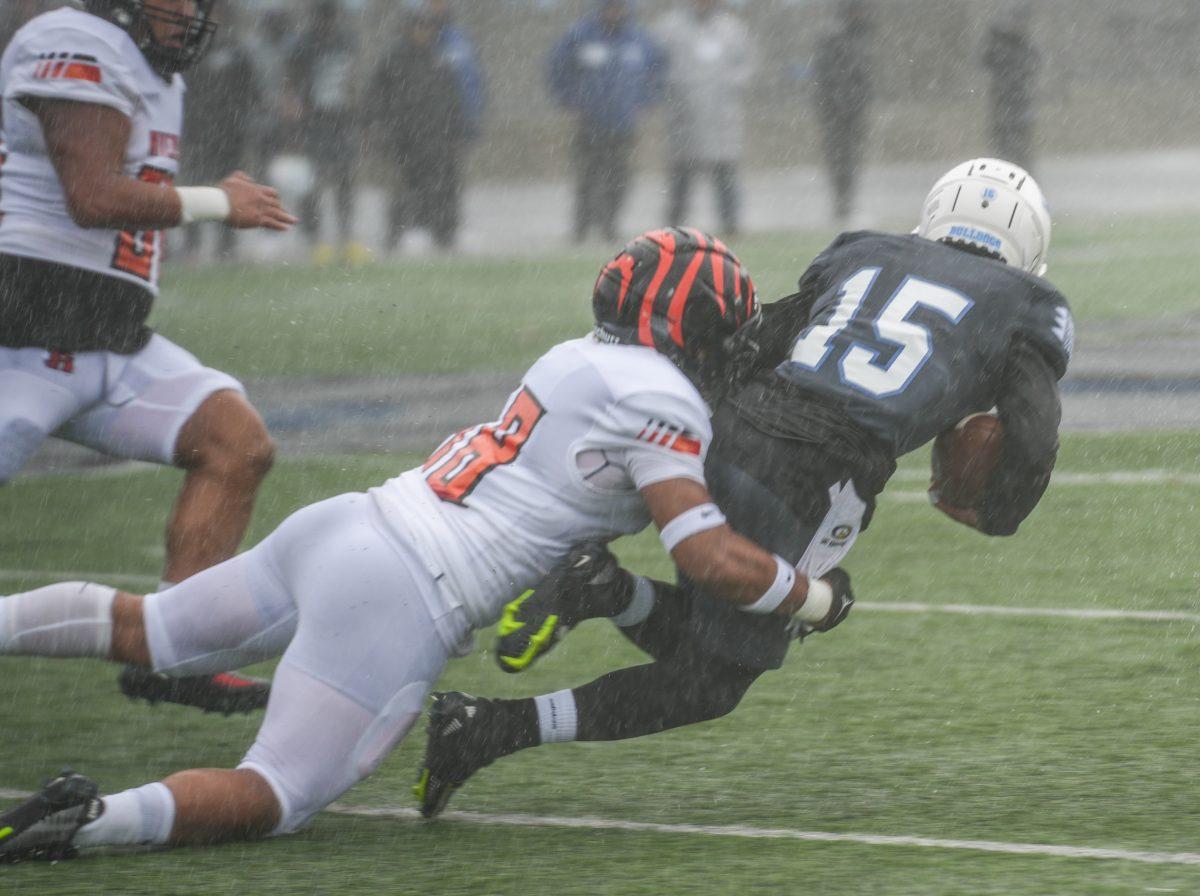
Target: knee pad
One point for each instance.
(19, 439)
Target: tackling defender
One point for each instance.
(889, 341)
(92, 114)
(367, 595)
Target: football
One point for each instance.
(964, 459)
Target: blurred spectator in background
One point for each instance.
(605, 70)
(1013, 62)
(842, 76)
(277, 118)
(14, 14)
(420, 119)
(710, 57)
(322, 75)
(224, 99)
(457, 50)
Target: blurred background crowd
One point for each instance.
(407, 101)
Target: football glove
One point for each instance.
(843, 599)
(587, 584)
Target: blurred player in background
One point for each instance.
(890, 340)
(93, 107)
(367, 595)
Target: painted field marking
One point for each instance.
(746, 832)
(1114, 477)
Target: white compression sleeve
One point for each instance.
(71, 619)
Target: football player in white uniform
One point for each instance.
(367, 595)
(93, 105)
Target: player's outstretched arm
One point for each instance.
(87, 142)
(734, 568)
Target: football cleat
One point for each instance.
(460, 743)
(42, 827)
(225, 693)
(587, 584)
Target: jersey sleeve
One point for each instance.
(71, 64)
(1050, 328)
(1030, 408)
(663, 437)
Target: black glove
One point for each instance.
(587, 584)
(843, 599)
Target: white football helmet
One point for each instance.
(992, 205)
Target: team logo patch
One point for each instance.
(656, 432)
(838, 536)
(67, 66)
(64, 362)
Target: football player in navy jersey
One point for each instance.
(889, 341)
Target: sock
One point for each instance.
(71, 619)
(556, 717)
(515, 726)
(641, 602)
(143, 816)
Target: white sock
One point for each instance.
(556, 717)
(640, 604)
(64, 620)
(143, 816)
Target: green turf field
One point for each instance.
(1017, 729)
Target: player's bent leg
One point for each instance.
(226, 452)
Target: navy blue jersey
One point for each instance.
(906, 337)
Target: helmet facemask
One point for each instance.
(141, 17)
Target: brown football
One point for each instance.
(964, 459)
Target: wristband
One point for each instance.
(818, 603)
(202, 204)
(691, 522)
(785, 578)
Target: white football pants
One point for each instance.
(363, 631)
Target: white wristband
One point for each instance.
(691, 522)
(785, 578)
(816, 606)
(203, 204)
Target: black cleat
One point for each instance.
(460, 743)
(226, 692)
(42, 827)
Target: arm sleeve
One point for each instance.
(73, 65)
(1029, 407)
(662, 437)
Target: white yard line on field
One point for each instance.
(1064, 477)
(746, 832)
(869, 606)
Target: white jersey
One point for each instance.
(75, 56)
(497, 505)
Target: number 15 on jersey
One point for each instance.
(859, 364)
